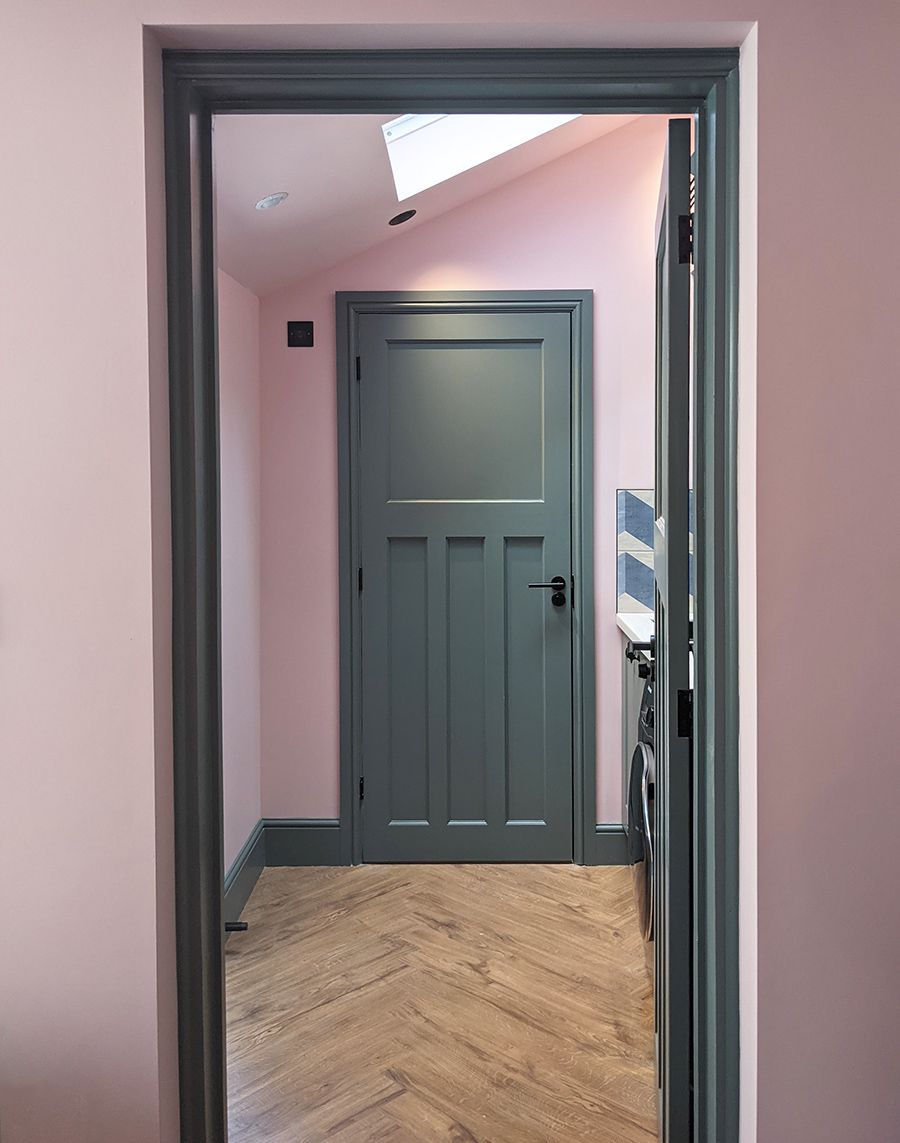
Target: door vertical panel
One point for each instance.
(466, 681)
(525, 680)
(408, 731)
(495, 671)
(436, 623)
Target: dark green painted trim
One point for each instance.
(196, 626)
(244, 872)
(197, 84)
(316, 841)
(715, 775)
(584, 635)
(579, 305)
(606, 846)
(303, 841)
(279, 842)
(349, 666)
(620, 80)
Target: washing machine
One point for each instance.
(640, 825)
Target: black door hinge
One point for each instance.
(685, 238)
(685, 714)
(359, 578)
(362, 788)
(572, 592)
(358, 369)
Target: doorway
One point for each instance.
(462, 650)
(702, 84)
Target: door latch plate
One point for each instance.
(685, 714)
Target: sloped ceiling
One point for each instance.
(336, 171)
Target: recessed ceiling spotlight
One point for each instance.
(403, 216)
(272, 200)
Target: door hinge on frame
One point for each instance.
(359, 579)
(685, 238)
(358, 369)
(362, 789)
(685, 714)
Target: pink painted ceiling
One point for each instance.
(336, 171)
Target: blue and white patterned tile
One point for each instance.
(628, 605)
(635, 582)
(634, 539)
(634, 519)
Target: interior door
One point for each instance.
(464, 521)
(672, 692)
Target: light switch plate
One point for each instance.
(300, 334)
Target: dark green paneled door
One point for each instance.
(464, 501)
(674, 815)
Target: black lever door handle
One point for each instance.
(558, 586)
(555, 584)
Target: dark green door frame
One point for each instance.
(702, 83)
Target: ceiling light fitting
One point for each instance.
(403, 216)
(272, 200)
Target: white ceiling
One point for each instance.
(336, 171)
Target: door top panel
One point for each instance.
(462, 403)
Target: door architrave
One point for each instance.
(702, 82)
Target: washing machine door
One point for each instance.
(642, 785)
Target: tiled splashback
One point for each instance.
(634, 550)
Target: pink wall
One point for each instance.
(79, 1058)
(86, 1053)
(239, 421)
(516, 237)
(827, 476)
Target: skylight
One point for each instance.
(425, 150)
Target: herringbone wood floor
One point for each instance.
(411, 1003)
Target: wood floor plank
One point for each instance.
(471, 1003)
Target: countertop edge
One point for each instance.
(637, 626)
